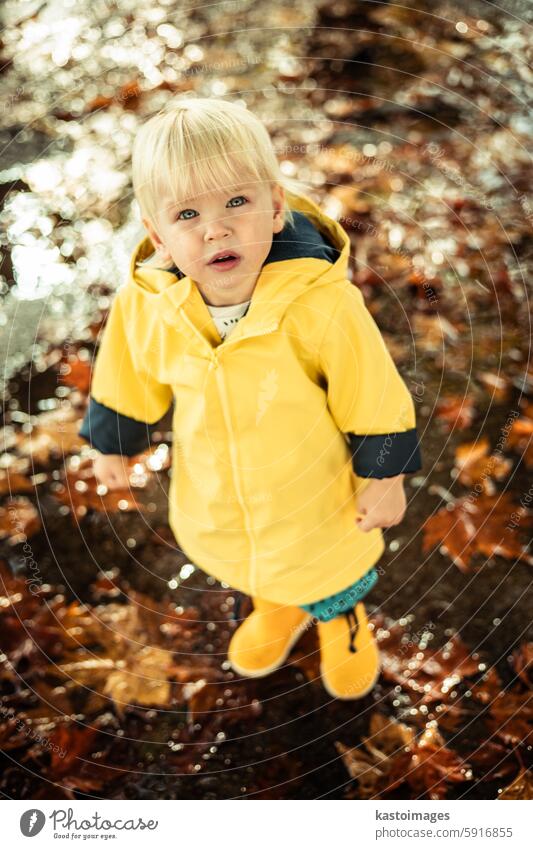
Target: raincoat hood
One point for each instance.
(319, 243)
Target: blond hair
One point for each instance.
(194, 144)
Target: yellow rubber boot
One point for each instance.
(349, 656)
(264, 640)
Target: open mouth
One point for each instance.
(225, 260)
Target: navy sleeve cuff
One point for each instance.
(385, 455)
(112, 433)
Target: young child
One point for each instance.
(292, 428)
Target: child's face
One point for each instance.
(240, 220)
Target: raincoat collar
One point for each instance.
(293, 265)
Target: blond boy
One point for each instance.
(292, 428)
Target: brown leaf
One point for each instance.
(511, 717)
(520, 788)
(133, 659)
(371, 768)
(394, 756)
(499, 386)
(482, 526)
(455, 412)
(521, 439)
(11, 482)
(72, 742)
(473, 465)
(144, 682)
(430, 675)
(486, 690)
(429, 766)
(75, 372)
(369, 772)
(18, 520)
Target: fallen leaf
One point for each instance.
(455, 412)
(370, 768)
(72, 742)
(392, 757)
(474, 466)
(19, 520)
(510, 717)
(467, 527)
(520, 439)
(144, 682)
(498, 385)
(520, 788)
(430, 675)
(75, 372)
(11, 482)
(428, 767)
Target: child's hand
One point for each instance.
(112, 470)
(382, 504)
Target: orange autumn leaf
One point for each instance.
(455, 411)
(18, 520)
(475, 466)
(499, 386)
(11, 482)
(521, 439)
(75, 372)
(483, 526)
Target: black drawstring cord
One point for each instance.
(237, 607)
(353, 626)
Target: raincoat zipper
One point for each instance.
(234, 459)
(215, 363)
(221, 384)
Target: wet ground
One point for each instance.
(411, 125)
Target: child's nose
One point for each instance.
(217, 229)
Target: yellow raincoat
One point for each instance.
(263, 490)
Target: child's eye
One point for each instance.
(237, 197)
(184, 216)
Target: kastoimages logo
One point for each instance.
(32, 822)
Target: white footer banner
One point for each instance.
(225, 825)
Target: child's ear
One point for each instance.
(278, 199)
(155, 239)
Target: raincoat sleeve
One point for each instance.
(366, 395)
(125, 402)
